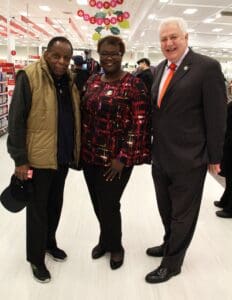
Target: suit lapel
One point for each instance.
(182, 70)
(158, 77)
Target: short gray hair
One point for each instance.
(180, 22)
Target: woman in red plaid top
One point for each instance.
(115, 137)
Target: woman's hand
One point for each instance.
(114, 170)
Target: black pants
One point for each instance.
(43, 212)
(226, 199)
(179, 198)
(105, 196)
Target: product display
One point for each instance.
(7, 82)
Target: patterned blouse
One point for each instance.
(115, 121)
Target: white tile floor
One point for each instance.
(206, 274)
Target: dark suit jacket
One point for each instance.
(147, 77)
(226, 164)
(189, 127)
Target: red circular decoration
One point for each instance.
(107, 21)
(120, 18)
(99, 4)
(13, 52)
(86, 17)
(126, 15)
(92, 20)
(92, 3)
(113, 20)
(80, 13)
(106, 4)
(113, 3)
(99, 21)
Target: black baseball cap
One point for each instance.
(16, 196)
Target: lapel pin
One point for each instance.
(185, 68)
(109, 93)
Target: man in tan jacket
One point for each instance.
(44, 138)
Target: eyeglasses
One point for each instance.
(110, 54)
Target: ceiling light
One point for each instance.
(82, 2)
(191, 30)
(217, 29)
(190, 11)
(151, 17)
(218, 15)
(24, 13)
(45, 8)
(163, 1)
(208, 20)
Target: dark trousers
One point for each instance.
(43, 212)
(105, 196)
(179, 198)
(226, 199)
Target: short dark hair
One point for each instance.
(112, 40)
(61, 39)
(144, 60)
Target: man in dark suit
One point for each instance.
(188, 133)
(145, 73)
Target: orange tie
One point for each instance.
(171, 72)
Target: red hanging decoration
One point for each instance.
(105, 4)
(107, 18)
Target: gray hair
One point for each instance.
(180, 22)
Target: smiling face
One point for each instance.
(173, 41)
(58, 58)
(110, 58)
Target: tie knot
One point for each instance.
(172, 66)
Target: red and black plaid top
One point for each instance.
(115, 121)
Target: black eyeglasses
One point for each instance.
(110, 54)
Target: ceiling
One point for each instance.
(37, 27)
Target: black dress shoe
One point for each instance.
(161, 274)
(223, 214)
(218, 204)
(57, 254)
(41, 273)
(157, 251)
(116, 259)
(98, 251)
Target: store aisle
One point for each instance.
(206, 274)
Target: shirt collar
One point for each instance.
(180, 60)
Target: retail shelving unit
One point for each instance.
(7, 77)
(3, 103)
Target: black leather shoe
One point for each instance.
(98, 251)
(160, 274)
(116, 259)
(218, 204)
(157, 251)
(223, 214)
(57, 254)
(41, 273)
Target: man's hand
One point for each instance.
(114, 170)
(21, 172)
(214, 168)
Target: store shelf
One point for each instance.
(7, 81)
(3, 130)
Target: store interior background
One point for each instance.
(207, 272)
(210, 28)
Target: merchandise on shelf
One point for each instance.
(7, 83)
